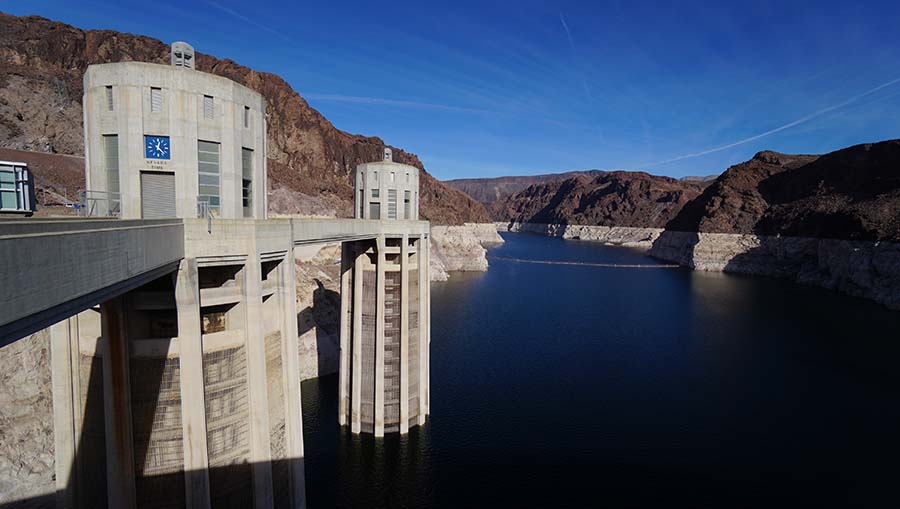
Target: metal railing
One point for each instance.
(204, 210)
(99, 204)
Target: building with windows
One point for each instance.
(16, 189)
(162, 141)
(387, 190)
(174, 342)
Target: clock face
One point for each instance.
(157, 147)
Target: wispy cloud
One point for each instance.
(379, 101)
(784, 127)
(587, 88)
(241, 17)
(562, 19)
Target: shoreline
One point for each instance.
(866, 269)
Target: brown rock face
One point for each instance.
(853, 193)
(41, 67)
(619, 198)
(490, 190)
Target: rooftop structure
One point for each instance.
(164, 141)
(387, 190)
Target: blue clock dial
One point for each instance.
(157, 147)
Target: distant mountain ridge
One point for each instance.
(42, 63)
(617, 198)
(489, 190)
(852, 193)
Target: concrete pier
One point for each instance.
(384, 348)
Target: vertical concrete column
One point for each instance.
(344, 369)
(290, 349)
(193, 398)
(427, 341)
(258, 393)
(64, 440)
(404, 334)
(117, 406)
(356, 340)
(379, 337)
(422, 257)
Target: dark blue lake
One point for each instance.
(580, 386)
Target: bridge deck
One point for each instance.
(54, 268)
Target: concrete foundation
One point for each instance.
(384, 334)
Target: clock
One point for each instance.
(157, 147)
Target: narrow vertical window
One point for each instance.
(246, 116)
(392, 203)
(207, 106)
(362, 204)
(392, 176)
(109, 99)
(247, 181)
(111, 165)
(407, 213)
(209, 176)
(155, 100)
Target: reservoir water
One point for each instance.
(587, 386)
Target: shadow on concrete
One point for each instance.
(155, 412)
(324, 316)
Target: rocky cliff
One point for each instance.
(489, 190)
(41, 67)
(615, 199)
(831, 220)
(853, 193)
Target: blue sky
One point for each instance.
(507, 88)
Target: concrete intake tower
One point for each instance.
(384, 364)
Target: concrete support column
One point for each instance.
(346, 310)
(290, 349)
(257, 388)
(404, 334)
(193, 398)
(422, 255)
(63, 376)
(356, 340)
(379, 338)
(117, 406)
(427, 332)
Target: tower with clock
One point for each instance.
(157, 147)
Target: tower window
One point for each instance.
(376, 193)
(247, 181)
(246, 116)
(155, 100)
(209, 175)
(111, 163)
(208, 106)
(109, 98)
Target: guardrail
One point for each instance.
(99, 203)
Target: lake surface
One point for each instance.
(580, 386)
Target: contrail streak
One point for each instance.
(770, 132)
(241, 17)
(390, 102)
(562, 20)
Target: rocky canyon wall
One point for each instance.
(461, 248)
(868, 269)
(27, 467)
(615, 235)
